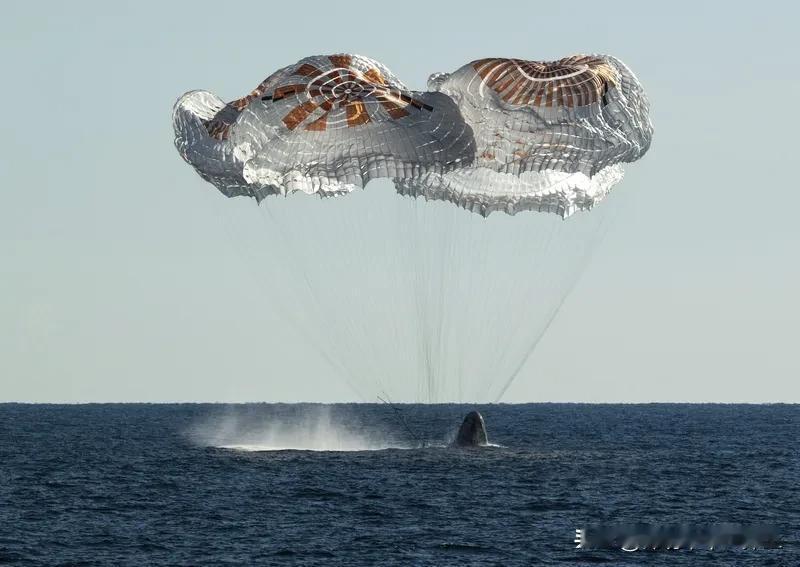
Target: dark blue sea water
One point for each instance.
(196, 485)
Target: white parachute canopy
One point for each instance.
(412, 298)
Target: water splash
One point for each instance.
(316, 429)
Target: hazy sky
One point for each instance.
(117, 278)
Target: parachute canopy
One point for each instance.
(495, 135)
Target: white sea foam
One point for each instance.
(315, 430)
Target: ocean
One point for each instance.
(374, 484)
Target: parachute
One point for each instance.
(464, 300)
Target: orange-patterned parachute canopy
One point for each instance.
(495, 135)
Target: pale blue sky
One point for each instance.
(117, 278)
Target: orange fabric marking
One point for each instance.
(307, 70)
(374, 76)
(300, 113)
(357, 113)
(282, 92)
(319, 125)
(341, 60)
